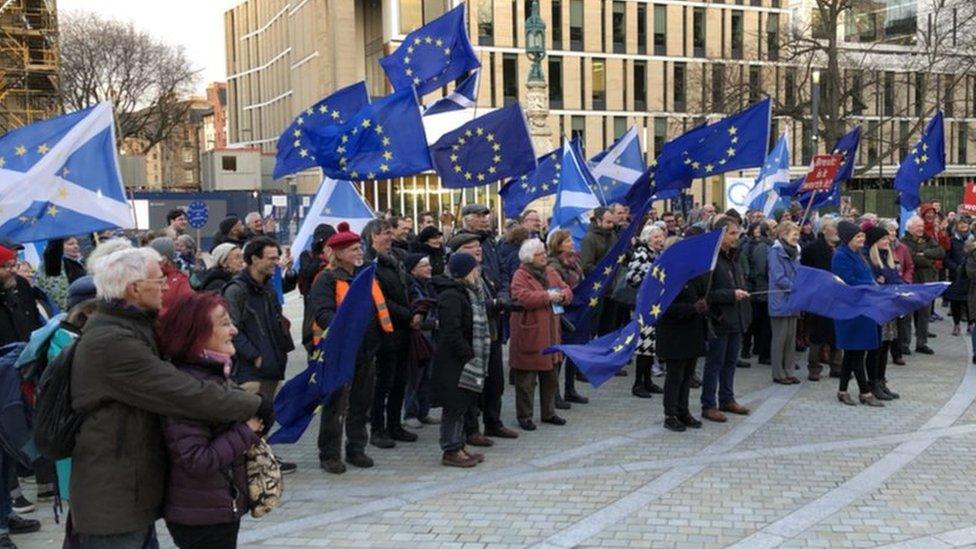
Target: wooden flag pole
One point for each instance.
(806, 213)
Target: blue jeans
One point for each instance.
(143, 539)
(6, 505)
(722, 354)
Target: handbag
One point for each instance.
(264, 486)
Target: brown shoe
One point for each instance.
(814, 377)
(501, 432)
(899, 361)
(712, 414)
(480, 458)
(479, 439)
(734, 407)
(793, 379)
(458, 459)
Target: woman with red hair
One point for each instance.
(206, 494)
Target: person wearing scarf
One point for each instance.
(784, 256)
(565, 260)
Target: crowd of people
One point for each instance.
(178, 354)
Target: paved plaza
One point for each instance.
(801, 470)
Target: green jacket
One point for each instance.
(118, 469)
(925, 251)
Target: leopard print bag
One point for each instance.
(264, 486)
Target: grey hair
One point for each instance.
(105, 248)
(649, 230)
(887, 223)
(529, 248)
(251, 217)
(188, 241)
(914, 219)
(123, 267)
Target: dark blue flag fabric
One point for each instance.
(822, 293)
(295, 152)
(490, 147)
(384, 139)
(924, 162)
(464, 96)
(331, 365)
(684, 260)
(846, 146)
(432, 56)
(520, 191)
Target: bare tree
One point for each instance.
(146, 80)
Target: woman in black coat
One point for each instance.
(955, 263)
(681, 335)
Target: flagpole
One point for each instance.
(809, 207)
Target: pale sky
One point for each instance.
(197, 25)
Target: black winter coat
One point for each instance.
(955, 264)
(257, 315)
(322, 307)
(392, 278)
(682, 331)
(452, 348)
(214, 279)
(819, 255)
(19, 315)
(728, 315)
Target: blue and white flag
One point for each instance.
(925, 161)
(335, 201)
(433, 55)
(574, 196)
(776, 171)
(60, 177)
(462, 97)
(618, 167)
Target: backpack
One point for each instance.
(56, 423)
(15, 424)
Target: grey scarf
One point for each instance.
(475, 370)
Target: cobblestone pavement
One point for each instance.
(802, 470)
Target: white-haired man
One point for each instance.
(122, 386)
(925, 252)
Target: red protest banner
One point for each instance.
(821, 176)
(969, 197)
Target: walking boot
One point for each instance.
(878, 391)
(576, 398)
(641, 372)
(884, 387)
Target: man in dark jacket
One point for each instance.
(820, 329)
(730, 314)
(391, 360)
(230, 230)
(926, 252)
(122, 387)
(599, 238)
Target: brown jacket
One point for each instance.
(118, 468)
(533, 325)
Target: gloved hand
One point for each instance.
(701, 307)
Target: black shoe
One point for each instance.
(932, 336)
(925, 350)
(746, 355)
(765, 361)
(46, 495)
(359, 459)
(554, 420)
(695, 382)
(743, 364)
(621, 373)
(286, 467)
(22, 505)
(689, 421)
(561, 404)
(20, 525)
(402, 435)
(640, 391)
(526, 424)
(381, 439)
(6, 543)
(333, 465)
(576, 398)
(892, 394)
(906, 352)
(653, 388)
(672, 423)
(879, 393)
(834, 373)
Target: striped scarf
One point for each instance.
(475, 370)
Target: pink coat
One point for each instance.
(532, 324)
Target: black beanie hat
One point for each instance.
(847, 231)
(412, 260)
(872, 235)
(461, 264)
(427, 233)
(228, 223)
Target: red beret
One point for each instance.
(342, 238)
(6, 254)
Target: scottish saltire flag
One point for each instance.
(574, 195)
(335, 201)
(684, 260)
(383, 139)
(776, 171)
(331, 365)
(846, 146)
(433, 55)
(924, 162)
(618, 167)
(822, 293)
(490, 147)
(542, 181)
(295, 152)
(462, 97)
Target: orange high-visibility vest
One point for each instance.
(382, 313)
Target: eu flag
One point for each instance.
(384, 139)
(542, 181)
(433, 55)
(331, 365)
(684, 260)
(489, 148)
(295, 152)
(60, 177)
(924, 162)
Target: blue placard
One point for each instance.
(197, 214)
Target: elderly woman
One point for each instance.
(538, 295)
(784, 257)
(564, 258)
(228, 260)
(648, 248)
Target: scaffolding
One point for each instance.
(29, 62)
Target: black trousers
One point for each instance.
(760, 331)
(391, 381)
(882, 364)
(352, 404)
(209, 536)
(677, 385)
(854, 364)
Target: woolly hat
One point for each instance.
(228, 223)
(847, 231)
(82, 289)
(412, 260)
(323, 232)
(220, 253)
(6, 254)
(164, 245)
(461, 264)
(427, 233)
(343, 238)
(872, 235)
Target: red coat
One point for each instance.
(533, 325)
(177, 284)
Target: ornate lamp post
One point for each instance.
(537, 94)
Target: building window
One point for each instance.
(510, 84)
(576, 25)
(962, 145)
(228, 163)
(640, 85)
(515, 32)
(641, 28)
(582, 82)
(578, 129)
(789, 87)
(599, 73)
(949, 98)
(755, 83)
(660, 30)
(903, 138)
(806, 147)
(698, 32)
(772, 37)
(187, 155)
(491, 79)
(411, 15)
(619, 126)
(737, 34)
(718, 87)
(188, 177)
(660, 134)
(679, 87)
(556, 82)
(486, 23)
(857, 101)
(557, 24)
(619, 27)
(889, 93)
(919, 94)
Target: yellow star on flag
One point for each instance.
(387, 155)
(297, 133)
(303, 153)
(323, 109)
(20, 150)
(594, 301)
(52, 210)
(62, 192)
(3, 162)
(655, 310)
(366, 122)
(607, 270)
(597, 286)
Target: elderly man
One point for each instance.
(820, 330)
(253, 225)
(925, 252)
(121, 387)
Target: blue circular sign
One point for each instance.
(197, 214)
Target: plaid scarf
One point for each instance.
(475, 370)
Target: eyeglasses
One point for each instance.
(158, 281)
